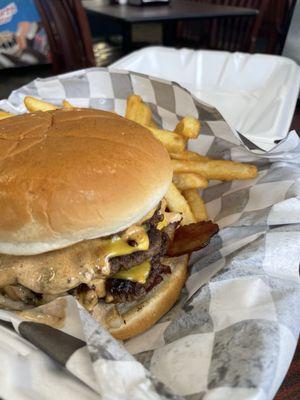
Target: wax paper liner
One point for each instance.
(233, 332)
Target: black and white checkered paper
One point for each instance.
(234, 330)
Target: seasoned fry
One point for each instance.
(188, 127)
(172, 141)
(188, 155)
(67, 104)
(138, 111)
(196, 204)
(222, 170)
(176, 202)
(187, 181)
(32, 104)
(4, 114)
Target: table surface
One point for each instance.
(175, 10)
(290, 388)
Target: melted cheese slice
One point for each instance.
(118, 246)
(162, 224)
(138, 273)
(169, 218)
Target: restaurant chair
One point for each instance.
(228, 33)
(276, 23)
(68, 33)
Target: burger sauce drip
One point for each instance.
(52, 314)
(59, 271)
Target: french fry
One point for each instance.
(172, 141)
(187, 181)
(133, 101)
(188, 155)
(176, 202)
(196, 204)
(67, 104)
(153, 124)
(138, 111)
(144, 114)
(4, 115)
(32, 104)
(188, 127)
(222, 170)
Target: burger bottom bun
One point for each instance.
(130, 319)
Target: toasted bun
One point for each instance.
(71, 175)
(137, 317)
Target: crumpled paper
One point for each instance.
(233, 332)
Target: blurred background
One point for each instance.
(42, 37)
(46, 37)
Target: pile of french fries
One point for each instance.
(192, 171)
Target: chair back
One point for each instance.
(276, 23)
(231, 34)
(68, 33)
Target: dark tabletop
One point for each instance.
(176, 10)
(290, 388)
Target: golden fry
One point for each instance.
(144, 114)
(172, 141)
(4, 115)
(138, 111)
(67, 104)
(177, 203)
(222, 170)
(153, 124)
(189, 155)
(188, 127)
(132, 102)
(196, 204)
(189, 181)
(32, 104)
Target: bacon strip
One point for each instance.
(192, 237)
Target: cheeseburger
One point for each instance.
(83, 214)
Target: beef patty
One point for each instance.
(157, 240)
(121, 290)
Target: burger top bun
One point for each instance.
(71, 175)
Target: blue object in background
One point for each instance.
(22, 38)
(13, 12)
